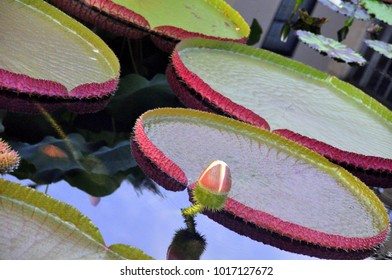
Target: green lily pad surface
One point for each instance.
(379, 10)
(347, 8)
(168, 21)
(330, 47)
(36, 226)
(277, 184)
(48, 53)
(337, 119)
(211, 18)
(381, 47)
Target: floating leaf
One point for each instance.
(379, 10)
(51, 54)
(110, 160)
(381, 47)
(36, 226)
(325, 114)
(330, 47)
(277, 184)
(53, 157)
(347, 8)
(98, 172)
(166, 21)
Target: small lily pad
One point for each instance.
(166, 21)
(379, 10)
(347, 8)
(277, 184)
(36, 226)
(322, 112)
(381, 47)
(50, 54)
(330, 47)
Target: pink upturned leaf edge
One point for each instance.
(39, 87)
(164, 171)
(154, 162)
(186, 84)
(193, 81)
(334, 154)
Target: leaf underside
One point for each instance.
(36, 226)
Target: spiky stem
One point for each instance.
(192, 210)
(190, 223)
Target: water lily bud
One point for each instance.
(213, 186)
(186, 245)
(94, 200)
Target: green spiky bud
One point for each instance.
(186, 245)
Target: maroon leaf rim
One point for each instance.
(195, 84)
(149, 157)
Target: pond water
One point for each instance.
(132, 209)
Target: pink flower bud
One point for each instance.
(213, 186)
(216, 177)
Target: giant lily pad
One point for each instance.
(313, 108)
(45, 52)
(277, 184)
(36, 226)
(168, 21)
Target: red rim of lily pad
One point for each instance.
(156, 164)
(27, 104)
(27, 85)
(122, 21)
(267, 237)
(32, 86)
(197, 94)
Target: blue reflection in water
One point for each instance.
(149, 221)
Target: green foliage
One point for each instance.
(136, 95)
(379, 10)
(255, 32)
(98, 172)
(308, 23)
